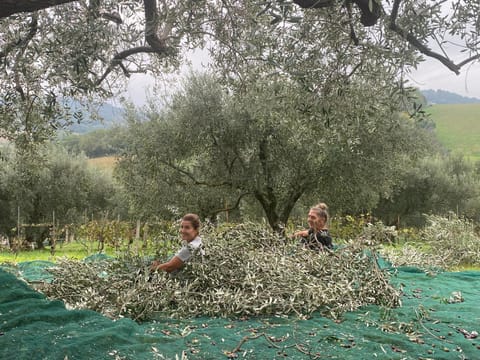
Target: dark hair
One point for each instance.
(194, 219)
(321, 209)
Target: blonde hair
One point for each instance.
(321, 209)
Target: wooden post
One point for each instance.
(226, 210)
(18, 222)
(137, 231)
(145, 236)
(53, 236)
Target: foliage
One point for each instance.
(86, 49)
(112, 233)
(445, 243)
(453, 238)
(414, 255)
(159, 238)
(377, 233)
(348, 227)
(246, 272)
(435, 185)
(271, 143)
(51, 183)
(103, 142)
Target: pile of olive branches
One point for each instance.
(446, 243)
(246, 271)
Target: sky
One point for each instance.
(141, 86)
(432, 74)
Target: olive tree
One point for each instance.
(437, 184)
(36, 186)
(210, 144)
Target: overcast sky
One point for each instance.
(431, 74)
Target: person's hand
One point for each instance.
(154, 266)
(302, 233)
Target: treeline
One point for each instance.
(245, 157)
(51, 185)
(98, 143)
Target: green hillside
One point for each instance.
(458, 127)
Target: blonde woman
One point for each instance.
(317, 237)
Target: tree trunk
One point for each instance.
(10, 7)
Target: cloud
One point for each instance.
(142, 86)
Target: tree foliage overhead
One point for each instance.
(83, 50)
(64, 48)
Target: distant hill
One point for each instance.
(108, 115)
(447, 97)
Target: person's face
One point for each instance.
(187, 231)
(314, 221)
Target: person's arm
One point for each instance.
(173, 264)
(302, 233)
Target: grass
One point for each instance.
(458, 127)
(73, 250)
(81, 250)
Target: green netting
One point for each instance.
(438, 315)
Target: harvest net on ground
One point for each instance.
(438, 317)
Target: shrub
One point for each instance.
(452, 238)
(445, 243)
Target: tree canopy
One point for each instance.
(209, 148)
(51, 50)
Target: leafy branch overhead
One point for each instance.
(54, 49)
(371, 12)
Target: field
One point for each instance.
(105, 163)
(458, 127)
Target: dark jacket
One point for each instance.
(317, 241)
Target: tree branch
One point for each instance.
(10, 7)
(370, 9)
(353, 36)
(416, 43)
(22, 43)
(157, 43)
(192, 177)
(314, 4)
(151, 27)
(233, 207)
(117, 59)
(466, 61)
